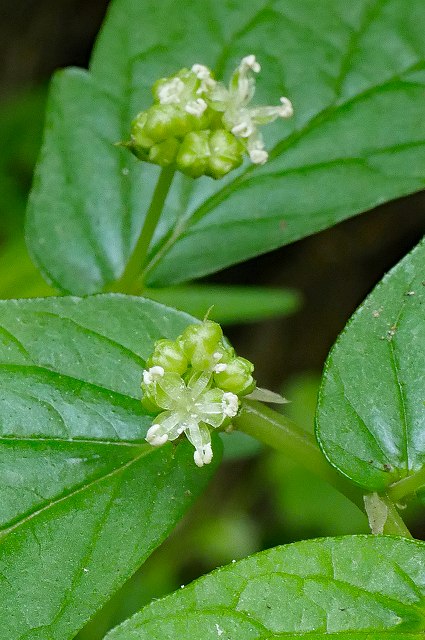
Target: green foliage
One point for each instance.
(355, 588)
(370, 418)
(84, 499)
(356, 139)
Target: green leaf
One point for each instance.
(355, 72)
(353, 588)
(19, 278)
(228, 304)
(370, 415)
(83, 499)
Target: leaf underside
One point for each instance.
(354, 71)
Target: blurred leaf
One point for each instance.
(355, 72)
(21, 124)
(84, 499)
(370, 416)
(230, 304)
(19, 278)
(355, 588)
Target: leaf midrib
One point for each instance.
(147, 450)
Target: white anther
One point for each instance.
(230, 404)
(217, 355)
(204, 75)
(150, 375)
(198, 459)
(201, 71)
(243, 129)
(258, 156)
(250, 62)
(219, 368)
(154, 438)
(171, 91)
(286, 110)
(196, 107)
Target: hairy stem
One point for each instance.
(131, 279)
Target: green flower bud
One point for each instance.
(194, 154)
(164, 153)
(138, 133)
(226, 153)
(168, 355)
(200, 342)
(166, 121)
(235, 376)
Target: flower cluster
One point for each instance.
(202, 127)
(195, 382)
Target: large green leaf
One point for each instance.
(83, 499)
(355, 72)
(370, 416)
(352, 588)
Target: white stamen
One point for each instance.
(230, 404)
(149, 375)
(204, 75)
(219, 368)
(286, 110)
(154, 438)
(201, 71)
(250, 62)
(196, 107)
(258, 156)
(217, 355)
(243, 129)
(171, 91)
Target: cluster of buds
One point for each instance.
(202, 127)
(194, 384)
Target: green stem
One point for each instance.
(131, 280)
(406, 486)
(277, 431)
(395, 524)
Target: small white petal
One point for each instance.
(230, 404)
(208, 454)
(196, 107)
(155, 438)
(198, 459)
(286, 110)
(258, 156)
(219, 368)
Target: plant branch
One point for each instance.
(131, 279)
(279, 432)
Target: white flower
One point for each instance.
(242, 121)
(193, 409)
